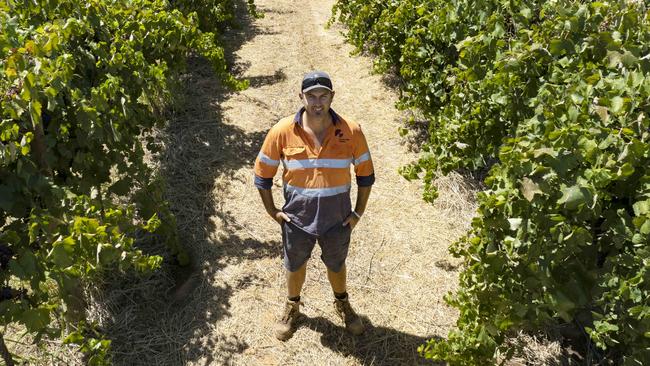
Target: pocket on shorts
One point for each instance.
(338, 234)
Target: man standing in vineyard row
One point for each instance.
(316, 148)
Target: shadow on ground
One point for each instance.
(169, 318)
(380, 346)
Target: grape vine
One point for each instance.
(81, 85)
(556, 93)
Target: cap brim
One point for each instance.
(315, 87)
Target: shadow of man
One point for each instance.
(376, 346)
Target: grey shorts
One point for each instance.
(297, 246)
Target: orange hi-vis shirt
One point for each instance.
(316, 181)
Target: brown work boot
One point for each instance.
(352, 321)
(285, 326)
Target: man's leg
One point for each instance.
(337, 280)
(341, 303)
(297, 247)
(335, 244)
(295, 280)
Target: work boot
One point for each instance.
(352, 321)
(285, 326)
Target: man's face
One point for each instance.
(317, 101)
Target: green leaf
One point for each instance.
(599, 177)
(590, 148)
(629, 60)
(563, 305)
(35, 320)
(607, 141)
(61, 253)
(605, 327)
(641, 207)
(121, 187)
(645, 228)
(107, 254)
(153, 223)
(25, 265)
(573, 197)
(544, 151)
(7, 197)
(616, 105)
(85, 225)
(559, 47)
(17, 270)
(626, 170)
(73, 338)
(35, 112)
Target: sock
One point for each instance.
(295, 298)
(341, 296)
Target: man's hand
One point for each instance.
(276, 214)
(279, 216)
(351, 220)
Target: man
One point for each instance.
(316, 148)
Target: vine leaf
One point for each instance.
(529, 188)
(573, 197)
(36, 319)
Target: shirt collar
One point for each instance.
(298, 117)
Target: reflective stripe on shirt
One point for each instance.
(318, 192)
(362, 158)
(268, 161)
(317, 163)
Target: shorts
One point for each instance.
(297, 246)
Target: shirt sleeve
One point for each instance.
(363, 167)
(267, 161)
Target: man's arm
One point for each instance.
(269, 205)
(362, 199)
(266, 165)
(363, 193)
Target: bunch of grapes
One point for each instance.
(8, 293)
(5, 256)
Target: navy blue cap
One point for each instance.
(316, 79)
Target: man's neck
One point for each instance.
(317, 123)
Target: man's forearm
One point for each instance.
(362, 199)
(267, 199)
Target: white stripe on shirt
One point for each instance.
(268, 161)
(362, 158)
(318, 192)
(317, 163)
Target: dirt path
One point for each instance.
(398, 266)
